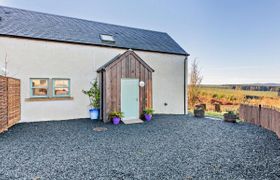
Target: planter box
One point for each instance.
(230, 117)
(200, 113)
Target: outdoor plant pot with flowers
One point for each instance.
(116, 116)
(230, 116)
(199, 111)
(148, 114)
(94, 97)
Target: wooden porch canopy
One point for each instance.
(130, 66)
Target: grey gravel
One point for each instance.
(168, 147)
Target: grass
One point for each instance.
(219, 115)
(212, 114)
(231, 99)
(236, 97)
(228, 92)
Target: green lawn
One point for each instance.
(212, 114)
(218, 115)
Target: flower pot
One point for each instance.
(148, 117)
(230, 118)
(199, 113)
(116, 120)
(94, 114)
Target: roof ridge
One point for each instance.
(64, 16)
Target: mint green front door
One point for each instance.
(130, 98)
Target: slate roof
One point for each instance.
(30, 24)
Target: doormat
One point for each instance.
(100, 129)
(132, 121)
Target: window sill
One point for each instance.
(49, 99)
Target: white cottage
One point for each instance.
(55, 57)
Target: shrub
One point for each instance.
(215, 96)
(116, 114)
(94, 94)
(232, 98)
(231, 112)
(149, 111)
(204, 93)
(221, 96)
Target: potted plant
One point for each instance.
(199, 111)
(148, 113)
(230, 116)
(94, 97)
(116, 116)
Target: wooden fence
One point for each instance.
(266, 117)
(9, 102)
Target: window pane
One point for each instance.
(39, 92)
(61, 91)
(39, 83)
(61, 83)
(105, 37)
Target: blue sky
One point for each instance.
(235, 41)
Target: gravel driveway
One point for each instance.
(169, 147)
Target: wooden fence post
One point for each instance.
(259, 115)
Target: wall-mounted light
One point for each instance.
(141, 83)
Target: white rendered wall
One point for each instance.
(44, 59)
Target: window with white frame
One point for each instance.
(39, 87)
(61, 87)
(107, 38)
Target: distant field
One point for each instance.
(231, 99)
(227, 91)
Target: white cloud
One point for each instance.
(2, 2)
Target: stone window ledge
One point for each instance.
(49, 99)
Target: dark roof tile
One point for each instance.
(30, 24)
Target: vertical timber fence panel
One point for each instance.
(10, 107)
(266, 117)
(3, 104)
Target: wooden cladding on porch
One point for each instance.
(128, 65)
